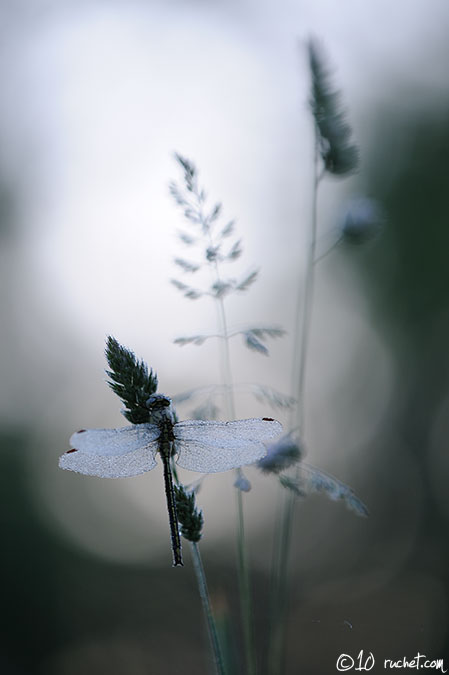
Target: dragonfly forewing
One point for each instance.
(112, 453)
(114, 441)
(252, 429)
(211, 447)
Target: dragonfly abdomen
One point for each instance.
(166, 450)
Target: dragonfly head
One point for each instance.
(159, 406)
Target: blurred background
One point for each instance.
(96, 97)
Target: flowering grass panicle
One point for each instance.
(213, 245)
(190, 518)
(339, 154)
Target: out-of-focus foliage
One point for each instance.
(406, 275)
(281, 455)
(362, 220)
(338, 152)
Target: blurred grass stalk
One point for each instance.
(283, 531)
(246, 605)
(335, 154)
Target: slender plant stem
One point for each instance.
(226, 360)
(285, 519)
(243, 567)
(204, 594)
(245, 589)
(331, 248)
(304, 332)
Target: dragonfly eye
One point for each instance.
(158, 401)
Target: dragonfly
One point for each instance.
(200, 445)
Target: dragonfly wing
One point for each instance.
(253, 429)
(114, 442)
(211, 447)
(130, 464)
(112, 453)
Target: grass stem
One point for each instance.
(204, 594)
(283, 531)
(243, 567)
(245, 590)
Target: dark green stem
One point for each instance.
(204, 594)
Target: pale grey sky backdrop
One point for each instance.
(95, 98)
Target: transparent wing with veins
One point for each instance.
(203, 446)
(112, 453)
(211, 447)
